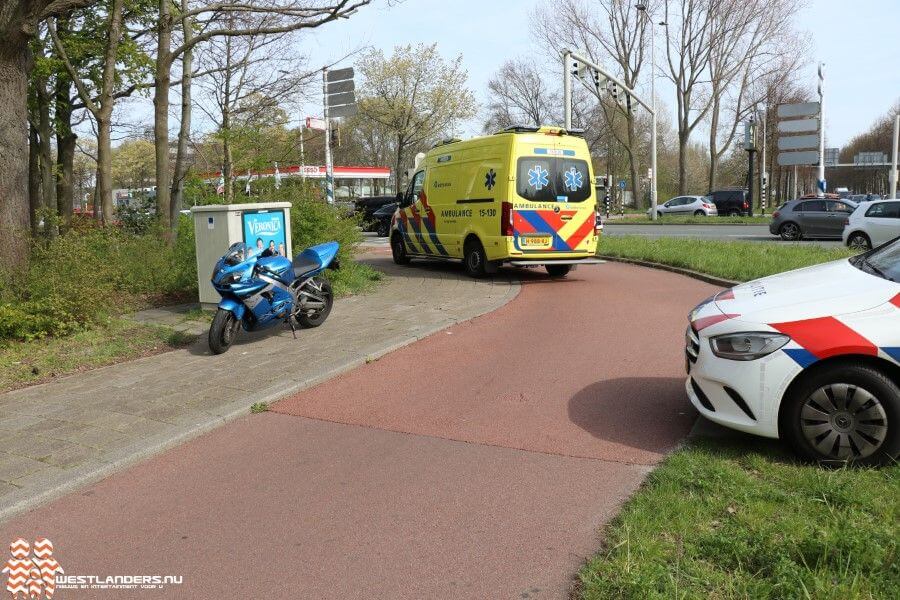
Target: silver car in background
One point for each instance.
(698, 206)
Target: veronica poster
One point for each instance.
(265, 229)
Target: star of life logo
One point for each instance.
(32, 573)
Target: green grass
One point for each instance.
(740, 519)
(691, 220)
(353, 278)
(35, 361)
(259, 407)
(739, 261)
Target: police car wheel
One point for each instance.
(558, 271)
(846, 414)
(398, 250)
(474, 258)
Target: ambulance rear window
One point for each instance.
(553, 179)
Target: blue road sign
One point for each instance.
(621, 184)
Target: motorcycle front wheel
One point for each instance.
(313, 318)
(222, 331)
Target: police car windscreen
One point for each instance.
(553, 179)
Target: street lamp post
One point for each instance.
(653, 200)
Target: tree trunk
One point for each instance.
(34, 179)
(682, 162)
(714, 143)
(227, 166)
(162, 79)
(399, 165)
(65, 151)
(184, 129)
(14, 219)
(104, 169)
(48, 178)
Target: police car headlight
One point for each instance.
(747, 346)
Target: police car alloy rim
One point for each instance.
(843, 421)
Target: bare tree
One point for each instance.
(753, 47)
(258, 17)
(687, 54)
(608, 30)
(245, 77)
(519, 94)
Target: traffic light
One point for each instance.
(336, 136)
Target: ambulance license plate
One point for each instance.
(535, 240)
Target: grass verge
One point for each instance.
(691, 220)
(739, 261)
(353, 278)
(40, 360)
(737, 518)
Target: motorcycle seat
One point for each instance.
(304, 264)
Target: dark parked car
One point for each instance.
(811, 217)
(382, 218)
(367, 205)
(732, 202)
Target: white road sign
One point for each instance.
(799, 126)
(808, 157)
(805, 109)
(798, 142)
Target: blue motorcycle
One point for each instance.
(263, 289)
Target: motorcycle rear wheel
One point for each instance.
(222, 331)
(317, 317)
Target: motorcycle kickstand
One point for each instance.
(290, 321)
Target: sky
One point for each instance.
(856, 39)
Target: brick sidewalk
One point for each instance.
(60, 435)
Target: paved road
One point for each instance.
(83, 426)
(752, 233)
(476, 463)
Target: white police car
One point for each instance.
(811, 356)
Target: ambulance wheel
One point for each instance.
(398, 250)
(558, 271)
(474, 258)
(845, 414)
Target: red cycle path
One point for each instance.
(590, 366)
(478, 463)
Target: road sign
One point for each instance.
(341, 86)
(315, 123)
(805, 109)
(340, 74)
(798, 142)
(798, 126)
(345, 110)
(621, 184)
(831, 156)
(870, 158)
(342, 98)
(806, 157)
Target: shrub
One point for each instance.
(93, 272)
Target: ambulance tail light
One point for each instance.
(506, 219)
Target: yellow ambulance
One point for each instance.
(523, 196)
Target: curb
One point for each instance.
(129, 456)
(680, 270)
